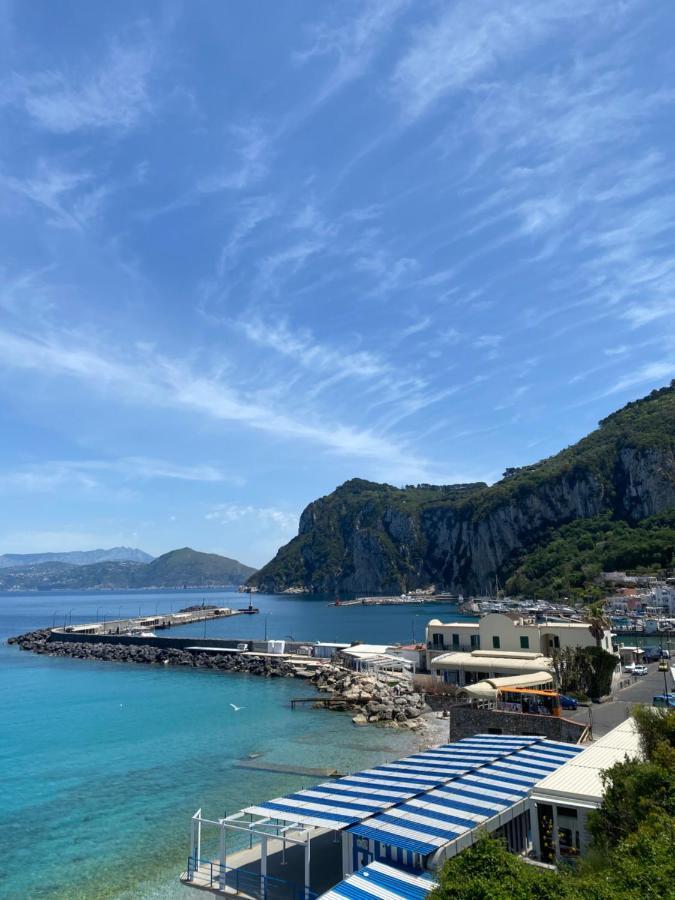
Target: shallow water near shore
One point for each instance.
(102, 764)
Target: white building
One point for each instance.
(559, 805)
(376, 658)
(510, 633)
(463, 669)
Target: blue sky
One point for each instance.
(250, 250)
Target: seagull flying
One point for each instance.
(236, 708)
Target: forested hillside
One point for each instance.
(548, 528)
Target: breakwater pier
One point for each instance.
(387, 697)
(145, 626)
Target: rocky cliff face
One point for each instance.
(375, 538)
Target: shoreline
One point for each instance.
(384, 699)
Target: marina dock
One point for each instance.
(401, 600)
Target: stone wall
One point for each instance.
(173, 642)
(465, 721)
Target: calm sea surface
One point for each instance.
(102, 764)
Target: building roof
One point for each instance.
(440, 816)
(345, 801)
(580, 778)
(381, 881)
(490, 686)
(482, 663)
(367, 650)
(509, 654)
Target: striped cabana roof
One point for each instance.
(382, 882)
(431, 820)
(346, 801)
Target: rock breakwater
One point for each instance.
(382, 698)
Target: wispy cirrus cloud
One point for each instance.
(171, 384)
(269, 516)
(112, 94)
(72, 198)
(301, 346)
(251, 149)
(350, 43)
(90, 474)
(656, 372)
(467, 42)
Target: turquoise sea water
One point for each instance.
(102, 764)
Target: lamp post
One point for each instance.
(663, 667)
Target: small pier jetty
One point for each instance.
(326, 702)
(260, 765)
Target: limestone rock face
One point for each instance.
(374, 538)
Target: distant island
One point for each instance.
(75, 557)
(185, 568)
(544, 530)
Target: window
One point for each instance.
(568, 811)
(437, 640)
(556, 641)
(524, 643)
(495, 642)
(475, 642)
(455, 640)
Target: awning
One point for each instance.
(473, 663)
(436, 818)
(381, 881)
(345, 801)
(490, 686)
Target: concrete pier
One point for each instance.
(150, 623)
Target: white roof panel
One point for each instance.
(581, 777)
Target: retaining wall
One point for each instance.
(465, 721)
(174, 642)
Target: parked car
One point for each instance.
(568, 702)
(640, 670)
(651, 654)
(664, 654)
(664, 700)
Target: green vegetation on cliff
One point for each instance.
(572, 557)
(605, 502)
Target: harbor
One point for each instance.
(416, 599)
(263, 760)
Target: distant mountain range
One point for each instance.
(75, 557)
(547, 529)
(176, 569)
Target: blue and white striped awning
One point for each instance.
(382, 882)
(435, 818)
(341, 803)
